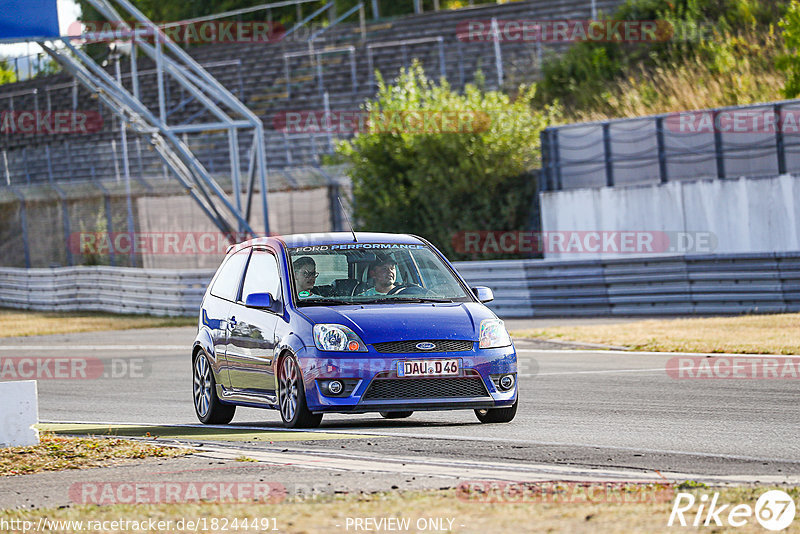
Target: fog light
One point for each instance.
(506, 382)
(335, 387)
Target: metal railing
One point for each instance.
(317, 65)
(403, 44)
(309, 18)
(361, 23)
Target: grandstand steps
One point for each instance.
(255, 73)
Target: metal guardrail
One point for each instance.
(667, 285)
(110, 289)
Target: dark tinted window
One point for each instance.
(262, 275)
(226, 285)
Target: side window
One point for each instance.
(330, 267)
(226, 285)
(262, 275)
(434, 276)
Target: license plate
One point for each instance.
(427, 367)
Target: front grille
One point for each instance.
(442, 345)
(425, 388)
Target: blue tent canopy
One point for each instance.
(25, 20)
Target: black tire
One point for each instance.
(292, 397)
(207, 406)
(396, 415)
(498, 415)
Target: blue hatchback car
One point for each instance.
(348, 323)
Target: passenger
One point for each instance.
(305, 275)
(384, 273)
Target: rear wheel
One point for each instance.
(292, 397)
(207, 406)
(497, 415)
(396, 415)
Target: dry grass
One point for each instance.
(690, 87)
(32, 323)
(741, 71)
(330, 513)
(749, 334)
(57, 453)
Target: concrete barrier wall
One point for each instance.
(740, 216)
(19, 412)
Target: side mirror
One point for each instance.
(483, 294)
(262, 301)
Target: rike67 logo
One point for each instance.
(774, 510)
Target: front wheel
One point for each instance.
(498, 415)
(292, 397)
(207, 406)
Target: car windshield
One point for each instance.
(374, 273)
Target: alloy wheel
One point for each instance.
(202, 386)
(288, 391)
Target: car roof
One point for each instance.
(329, 238)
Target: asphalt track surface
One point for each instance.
(580, 412)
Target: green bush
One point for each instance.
(7, 74)
(701, 30)
(438, 183)
(790, 62)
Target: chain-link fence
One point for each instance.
(153, 223)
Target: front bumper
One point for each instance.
(377, 388)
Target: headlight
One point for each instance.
(336, 337)
(493, 334)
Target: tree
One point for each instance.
(416, 170)
(7, 74)
(790, 62)
(46, 66)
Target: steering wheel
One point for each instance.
(408, 289)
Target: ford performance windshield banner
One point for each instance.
(28, 19)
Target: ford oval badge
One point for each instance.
(426, 345)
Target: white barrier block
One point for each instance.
(19, 412)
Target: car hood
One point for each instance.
(377, 323)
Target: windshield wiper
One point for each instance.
(403, 299)
(322, 300)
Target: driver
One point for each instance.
(384, 273)
(305, 275)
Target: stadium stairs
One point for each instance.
(256, 74)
